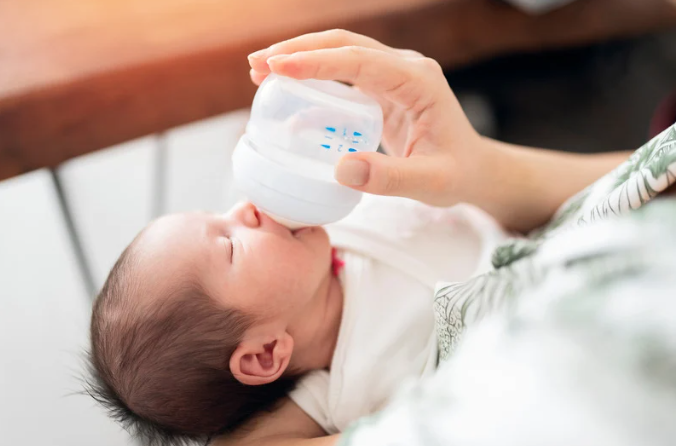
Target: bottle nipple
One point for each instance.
(291, 224)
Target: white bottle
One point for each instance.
(297, 132)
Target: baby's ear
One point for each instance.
(261, 360)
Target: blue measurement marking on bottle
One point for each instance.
(331, 129)
(356, 134)
(326, 146)
(351, 150)
(327, 137)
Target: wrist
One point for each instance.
(487, 174)
(503, 184)
(522, 187)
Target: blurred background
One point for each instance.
(113, 113)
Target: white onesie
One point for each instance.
(395, 250)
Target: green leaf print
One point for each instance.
(512, 251)
(657, 155)
(516, 262)
(566, 213)
(663, 159)
(636, 162)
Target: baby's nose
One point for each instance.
(248, 215)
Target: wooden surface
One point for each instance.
(78, 75)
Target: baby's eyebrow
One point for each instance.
(216, 226)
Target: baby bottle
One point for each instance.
(297, 132)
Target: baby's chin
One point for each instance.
(308, 231)
(314, 237)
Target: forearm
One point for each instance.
(522, 187)
(286, 425)
(331, 440)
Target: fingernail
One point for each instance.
(258, 54)
(353, 172)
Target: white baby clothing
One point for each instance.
(394, 250)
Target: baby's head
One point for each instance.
(207, 319)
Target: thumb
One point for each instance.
(421, 177)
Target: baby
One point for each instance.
(207, 319)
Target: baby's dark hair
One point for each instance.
(161, 369)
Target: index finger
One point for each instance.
(334, 38)
(411, 83)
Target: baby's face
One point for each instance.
(243, 259)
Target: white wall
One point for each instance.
(44, 314)
(44, 305)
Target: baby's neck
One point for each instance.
(335, 294)
(317, 352)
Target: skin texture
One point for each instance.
(247, 261)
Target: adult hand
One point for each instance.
(439, 158)
(434, 146)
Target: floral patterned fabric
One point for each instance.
(570, 339)
(518, 264)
